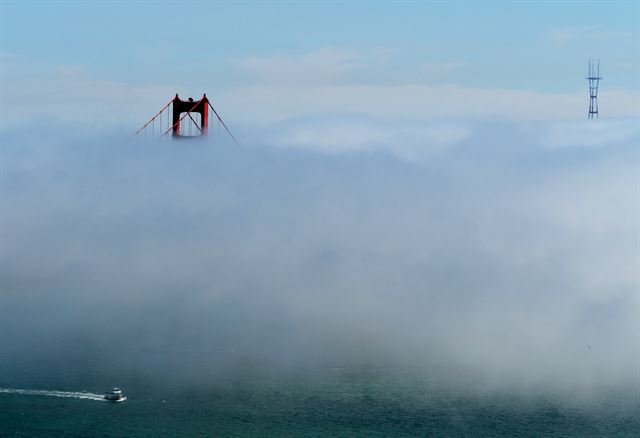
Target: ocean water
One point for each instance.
(334, 401)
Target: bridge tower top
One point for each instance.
(185, 119)
(190, 107)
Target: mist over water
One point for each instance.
(494, 264)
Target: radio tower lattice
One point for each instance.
(594, 80)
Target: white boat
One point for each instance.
(115, 395)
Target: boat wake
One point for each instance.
(63, 394)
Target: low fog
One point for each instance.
(501, 252)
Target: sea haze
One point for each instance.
(455, 280)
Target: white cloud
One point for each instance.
(321, 66)
(564, 36)
(407, 141)
(272, 103)
(440, 70)
(589, 133)
(70, 93)
(325, 84)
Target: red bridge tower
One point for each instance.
(183, 108)
(185, 119)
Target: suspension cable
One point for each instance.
(194, 123)
(154, 117)
(223, 124)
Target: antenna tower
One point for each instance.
(594, 81)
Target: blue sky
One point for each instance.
(508, 44)
(148, 49)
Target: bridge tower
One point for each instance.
(182, 108)
(180, 117)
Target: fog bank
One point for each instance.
(505, 252)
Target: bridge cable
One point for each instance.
(153, 118)
(223, 124)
